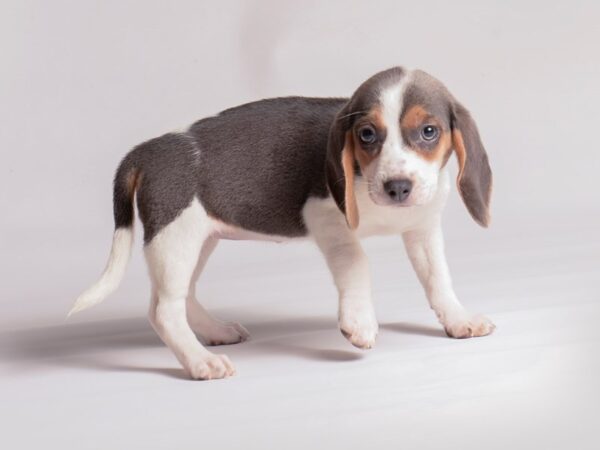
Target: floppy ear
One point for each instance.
(340, 167)
(474, 175)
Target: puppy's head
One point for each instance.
(398, 131)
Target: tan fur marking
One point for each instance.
(348, 166)
(441, 150)
(447, 153)
(414, 117)
(376, 117)
(133, 180)
(363, 157)
(461, 154)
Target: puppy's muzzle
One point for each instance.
(398, 190)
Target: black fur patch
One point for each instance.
(167, 181)
(260, 162)
(253, 166)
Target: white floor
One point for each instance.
(532, 384)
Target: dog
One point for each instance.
(331, 169)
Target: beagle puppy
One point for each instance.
(334, 170)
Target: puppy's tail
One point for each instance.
(126, 182)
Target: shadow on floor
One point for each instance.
(76, 339)
(414, 328)
(86, 345)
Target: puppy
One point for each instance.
(330, 169)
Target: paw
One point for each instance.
(210, 367)
(225, 334)
(359, 328)
(469, 326)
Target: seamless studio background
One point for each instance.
(82, 82)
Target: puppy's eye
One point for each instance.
(367, 134)
(429, 132)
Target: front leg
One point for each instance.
(356, 315)
(350, 269)
(425, 248)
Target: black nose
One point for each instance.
(398, 190)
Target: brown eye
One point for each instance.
(367, 134)
(429, 132)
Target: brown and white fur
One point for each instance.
(371, 169)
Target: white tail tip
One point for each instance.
(84, 301)
(112, 275)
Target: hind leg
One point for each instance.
(172, 256)
(212, 331)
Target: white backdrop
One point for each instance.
(82, 82)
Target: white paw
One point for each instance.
(360, 328)
(469, 326)
(210, 367)
(224, 334)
